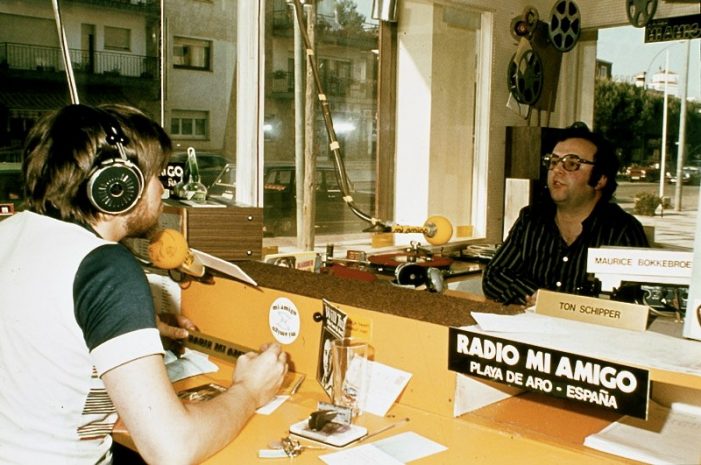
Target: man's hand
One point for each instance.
(530, 299)
(174, 326)
(262, 374)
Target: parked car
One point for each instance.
(690, 175)
(638, 173)
(332, 214)
(209, 163)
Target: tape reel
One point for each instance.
(640, 12)
(524, 25)
(525, 77)
(565, 25)
(115, 184)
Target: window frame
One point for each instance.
(114, 30)
(185, 44)
(193, 117)
(251, 137)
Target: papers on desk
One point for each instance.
(670, 436)
(645, 349)
(395, 450)
(191, 363)
(271, 406)
(385, 385)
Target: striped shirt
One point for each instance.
(534, 255)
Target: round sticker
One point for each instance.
(284, 320)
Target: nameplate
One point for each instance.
(639, 261)
(595, 382)
(592, 310)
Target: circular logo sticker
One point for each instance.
(284, 320)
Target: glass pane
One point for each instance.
(346, 41)
(200, 127)
(186, 127)
(199, 104)
(111, 64)
(122, 65)
(634, 79)
(440, 110)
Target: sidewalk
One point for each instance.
(673, 229)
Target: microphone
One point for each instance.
(168, 250)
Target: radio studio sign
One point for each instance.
(609, 385)
(672, 29)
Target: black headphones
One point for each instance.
(115, 184)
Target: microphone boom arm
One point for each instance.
(377, 225)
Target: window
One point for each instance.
(443, 116)
(192, 53)
(629, 110)
(345, 40)
(191, 124)
(117, 38)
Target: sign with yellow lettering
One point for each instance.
(592, 310)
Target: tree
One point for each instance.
(623, 113)
(348, 17)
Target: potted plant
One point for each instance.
(646, 203)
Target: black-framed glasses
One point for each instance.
(570, 162)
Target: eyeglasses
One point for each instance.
(570, 162)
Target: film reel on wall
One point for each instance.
(533, 72)
(565, 25)
(525, 77)
(524, 25)
(640, 12)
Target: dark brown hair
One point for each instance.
(62, 149)
(605, 160)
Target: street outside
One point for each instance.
(672, 228)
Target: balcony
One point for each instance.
(149, 6)
(282, 82)
(39, 59)
(328, 31)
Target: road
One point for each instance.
(627, 190)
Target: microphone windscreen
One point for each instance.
(168, 249)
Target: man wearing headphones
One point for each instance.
(79, 343)
(547, 245)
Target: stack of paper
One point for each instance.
(669, 436)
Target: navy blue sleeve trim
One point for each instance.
(112, 295)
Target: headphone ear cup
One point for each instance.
(115, 186)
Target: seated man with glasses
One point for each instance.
(547, 245)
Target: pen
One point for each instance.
(297, 384)
(382, 430)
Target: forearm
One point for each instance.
(504, 280)
(505, 286)
(165, 430)
(215, 423)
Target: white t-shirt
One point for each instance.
(72, 306)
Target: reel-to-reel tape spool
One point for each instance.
(640, 12)
(533, 72)
(525, 77)
(565, 25)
